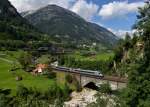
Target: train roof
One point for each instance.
(82, 70)
(87, 70)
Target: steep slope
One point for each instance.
(7, 10)
(13, 26)
(128, 54)
(103, 34)
(67, 26)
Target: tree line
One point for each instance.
(99, 65)
(32, 97)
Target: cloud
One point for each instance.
(62, 3)
(85, 9)
(24, 5)
(81, 7)
(122, 33)
(118, 9)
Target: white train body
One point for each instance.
(81, 71)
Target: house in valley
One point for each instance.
(40, 68)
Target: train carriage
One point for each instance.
(81, 71)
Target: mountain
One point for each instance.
(7, 10)
(23, 14)
(66, 26)
(13, 26)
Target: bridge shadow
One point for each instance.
(91, 85)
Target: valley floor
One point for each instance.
(8, 78)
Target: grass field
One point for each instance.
(100, 56)
(8, 78)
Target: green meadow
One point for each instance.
(8, 78)
(104, 56)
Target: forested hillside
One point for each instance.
(15, 31)
(132, 60)
(127, 53)
(137, 94)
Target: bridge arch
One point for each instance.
(83, 80)
(91, 85)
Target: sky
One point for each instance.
(118, 16)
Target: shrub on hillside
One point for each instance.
(105, 88)
(50, 74)
(69, 78)
(22, 91)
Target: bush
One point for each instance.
(25, 60)
(69, 78)
(66, 92)
(50, 75)
(105, 88)
(3, 100)
(22, 91)
(32, 97)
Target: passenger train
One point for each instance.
(81, 71)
